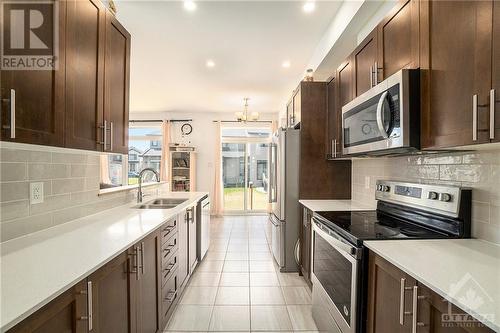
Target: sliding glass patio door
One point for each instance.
(245, 173)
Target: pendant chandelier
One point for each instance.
(244, 116)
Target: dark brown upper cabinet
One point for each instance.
(33, 100)
(334, 121)
(84, 103)
(398, 39)
(85, 41)
(345, 83)
(116, 84)
(365, 64)
(455, 56)
(496, 71)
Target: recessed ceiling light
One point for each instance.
(189, 5)
(285, 64)
(309, 6)
(210, 63)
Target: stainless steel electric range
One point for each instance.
(339, 260)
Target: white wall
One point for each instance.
(203, 138)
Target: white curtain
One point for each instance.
(217, 203)
(165, 150)
(104, 164)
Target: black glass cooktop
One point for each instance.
(371, 225)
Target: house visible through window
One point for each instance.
(144, 151)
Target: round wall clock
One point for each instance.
(186, 129)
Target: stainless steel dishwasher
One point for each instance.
(203, 222)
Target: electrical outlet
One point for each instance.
(36, 193)
(367, 182)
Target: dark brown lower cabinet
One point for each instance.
(384, 293)
(390, 304)
(136, 292)
(305, 247)
(65, 314)
(149, 285)
(114, 294)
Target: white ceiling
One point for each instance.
(247, 40)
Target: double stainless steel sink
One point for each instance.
(161, 203)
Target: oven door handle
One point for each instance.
(336, 241)
(380, 119)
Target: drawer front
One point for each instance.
(168, 248)
(168, 229)
(169, 294)
(168, 267)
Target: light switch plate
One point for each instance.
(36, 193)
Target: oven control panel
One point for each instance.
(445, 199)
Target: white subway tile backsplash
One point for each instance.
(70, 182)
(478, 170)
(39, 171)
(12, 171)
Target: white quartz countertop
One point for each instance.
(465, 272)
(334, 205)
(37, 268)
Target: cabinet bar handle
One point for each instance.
(136, 254)
(104, 133)
(335, 148)
(474, 117)
(332, 151)
(371, 76)
(375, 73)
(89, 305)
(492, 113)
(111, 136)
(402, 302)
(12, 114)
(142, 258)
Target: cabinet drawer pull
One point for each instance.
(168, 230)
(474, 117)
(171, 296)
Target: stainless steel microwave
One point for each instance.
(386, 119)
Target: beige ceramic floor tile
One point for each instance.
(263, 279)
(270, 318)
(266, 296)
(199, 295)
(301, 317)
(234, 280)
(296, 295)
(230, 318)
(233, 296)
(235, 266)
(190, 318)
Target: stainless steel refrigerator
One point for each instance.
(284, 219)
